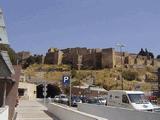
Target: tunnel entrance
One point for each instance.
(52, 90)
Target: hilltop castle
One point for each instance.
(83, 58)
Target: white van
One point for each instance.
(129, 99)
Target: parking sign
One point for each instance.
(66, 80)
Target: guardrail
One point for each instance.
(4, 113)
(114, 113)
(67, 113)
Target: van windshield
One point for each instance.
(138, 98)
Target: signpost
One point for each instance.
(45, 92)
(66, 81)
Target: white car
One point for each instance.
(64, 99)
(102, 100)
(56, 98)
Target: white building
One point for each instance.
(27, 91)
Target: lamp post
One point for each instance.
(120, 48)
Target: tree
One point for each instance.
(158, 56)
(73, 73)
(76, 83)
(32, 60)
(38, 59)
(12, 54)
(130, 75)
(142, 52)
(151, 55)
(146, 53)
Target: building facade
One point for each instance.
(9, 78)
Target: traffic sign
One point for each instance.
(44, 94)
(66, 80)
(45, 90)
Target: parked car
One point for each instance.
(83, 99)
(63, 99)
(94, 101)
(56, 98)
(75, 100)
(101, 100)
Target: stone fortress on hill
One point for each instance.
(83, 58)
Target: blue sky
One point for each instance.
(36, 25)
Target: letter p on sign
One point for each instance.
(66, 80)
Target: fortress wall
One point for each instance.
(108, 60)
(88, 60)
(157, 63)
(54, 57)
(49, 58)
(67, 58)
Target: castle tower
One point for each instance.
(3, 33)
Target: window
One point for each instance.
(138, 98)
(21, 92)
(117, 97)
(125, 99)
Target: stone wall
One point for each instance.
(80, 51)
(98, 58)
(88, 61)
(54, 57)
(108, 59)
(67, 58)
(59, 55)
(132, 60)
(85, 58)
(157, 63)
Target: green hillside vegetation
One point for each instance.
(12, 54)
(107, 78)
(50, 72)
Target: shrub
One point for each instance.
(12, 54)
(130, 75)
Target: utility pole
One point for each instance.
(120, 47)
(70, 92)
(45, 92)
(158, 80)
(79, 67)
(44, 83)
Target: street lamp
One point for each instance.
(120, 48)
